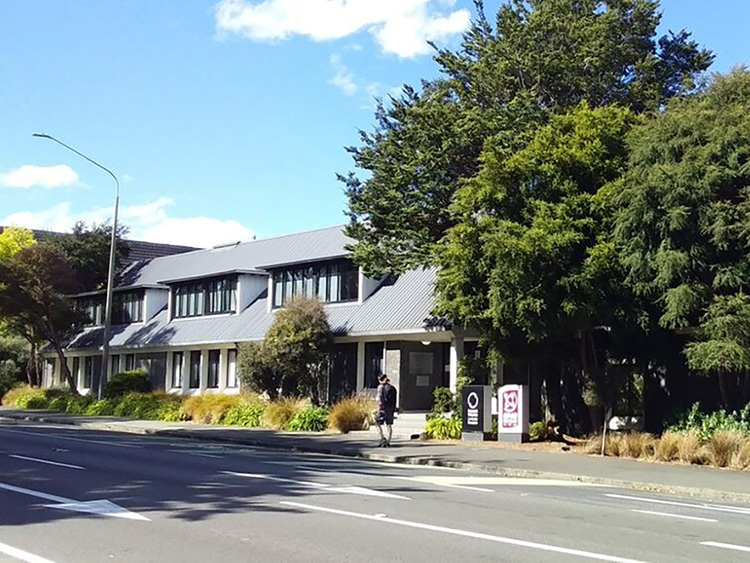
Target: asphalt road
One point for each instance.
(70, 495)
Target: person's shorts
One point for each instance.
(387, 417)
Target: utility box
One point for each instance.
(476, 405)
(513, 415)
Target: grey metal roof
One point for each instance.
(321, 244)
(403, 304)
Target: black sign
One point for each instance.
(476, 401)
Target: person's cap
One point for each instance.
(382, 377)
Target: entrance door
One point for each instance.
(422, 369)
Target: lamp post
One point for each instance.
(111, 271)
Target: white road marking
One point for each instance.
(101, 507)
(46, 461)
(58, 437)
(22, 555)
(670, 515)
(189, 452)
(726, 546)
(350, 489)
(464, 533)
(472, 482)
(715, 507)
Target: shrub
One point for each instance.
(313, 419)
(706, 425)
(170, 410)
(443, 400)
(33, 402)
(12, 397)
(538, 431)
(210, 409)
(248, 415)
(59, 403)
(722, 447)
(279, 413)
(146, 406)
(443, 429)
(135, 381)
(78, 404)
(104, 407)
(352, 413)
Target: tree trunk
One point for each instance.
(726, 395)
(745, 389)
(64, 371)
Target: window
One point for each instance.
(177, 359)
(128, 307)
(232, 368)
(373, 363)
(129, 362)
(114, 365)
(49, 367)
(195, 369)
(214, 359)
(94, 309)
(209, 297)
(330, 282)
(88, 372)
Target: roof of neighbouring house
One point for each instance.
(139, 249)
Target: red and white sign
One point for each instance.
(513, 417)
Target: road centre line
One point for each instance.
(717, 508)
(464, 533)
(670, 515)
(189, 452)
(46, 461)
(58, 437)
(726, 546)
(22, 555)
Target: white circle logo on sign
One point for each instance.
(472, 400)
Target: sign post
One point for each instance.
(476, 403)
(513, 413)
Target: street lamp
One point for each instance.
(111, 272)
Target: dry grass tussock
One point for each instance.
(741, 457)
(211, 409)
(668, 447)
(723, 445)
(12, 396)
(279, 412)
(352, 413)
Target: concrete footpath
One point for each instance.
(701, 482)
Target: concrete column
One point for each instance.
(168, 375)
(360, 365)
(204, 370)
(456, 354)
(185, 372)
(223, 369)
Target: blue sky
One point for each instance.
(223, 120)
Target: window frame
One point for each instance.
(333, 281)
(205, 298)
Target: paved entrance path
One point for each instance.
(701, 482)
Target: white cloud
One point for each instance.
(343, 78)
(30, 176)
(400, 27)
(149, 221)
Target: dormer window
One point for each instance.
(331, 282)
(205, 297)
(128, 307)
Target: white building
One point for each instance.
(181, 317)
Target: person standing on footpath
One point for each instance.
(387, 400)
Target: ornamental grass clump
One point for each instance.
(22, 394)
(352, 413)
(104, 407)
(279, 413)
(210, 409)
(722, 446)
(443, 429)
(667, 448)
(247, 415)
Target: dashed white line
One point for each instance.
(464, 533)
(22, 555)
(671, 515)
(188, 452)
(715, 507)
(58, 437)
(726, 546)
(46, 461)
